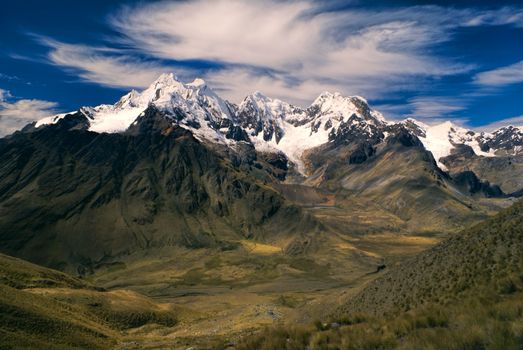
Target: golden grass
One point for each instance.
(260, 248)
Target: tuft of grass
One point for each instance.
(287, 301)
(483, 321)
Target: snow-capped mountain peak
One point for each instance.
(195, 104)
(440, 139)
(267, 108)
(507, 140)
(272, 125)
(198, 83)
(337, 107)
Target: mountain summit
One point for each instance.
(272, 125)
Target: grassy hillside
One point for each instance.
(465, 293)
(42, 308)
(488, 255)
(483, 322)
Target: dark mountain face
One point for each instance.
(503, 170)
(73, 198)
(250, 117)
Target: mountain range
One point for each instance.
(274, 126)
(176, 164)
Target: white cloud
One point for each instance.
(514, 121)
(352, 50)
(8, 77)
(287, 49)
(235, 83)
(428, 107)
(260, 33)
(104, 66)
(17, 114)
(4, 94)
(502, 16)
(393, 111)
(512, 74)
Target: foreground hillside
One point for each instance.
(465, 293)
(489, 255)
(476, 304)
(47, 309)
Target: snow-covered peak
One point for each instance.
(442, 138)
(516, 131)
(259, 95)
(328, 101)
(166, 79)
(337, 107)
(273, 125)
(198, 83)
(129, 100)
(265, 108)
(415, 122)
(194, 103)
(507, 140)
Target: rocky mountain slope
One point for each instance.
(74, 197)
(178, 165)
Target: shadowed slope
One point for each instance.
(72, 199)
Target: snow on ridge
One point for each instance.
(51, 119)
(286, 128)
(167, 93)
(302, 129)
(268, 108)
(441, 139)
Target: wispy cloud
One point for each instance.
(102, 65)
(4, 94)
(371, 52)
(514, 121)
(15, 115)
(503, 16)
(512, 74)
(8, 77)
(431, 107)
(288, 49)
(235, 83)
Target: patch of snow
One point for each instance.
(442, 138)
(112, 120)
(51, 119)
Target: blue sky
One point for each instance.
(433, 61)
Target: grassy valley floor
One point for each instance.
(222, 296)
